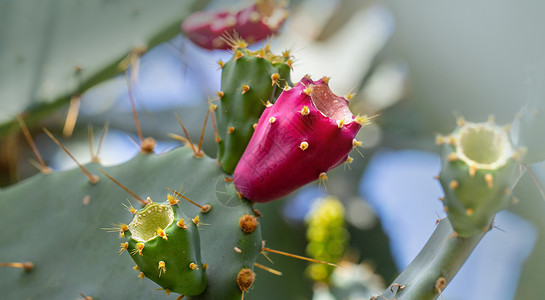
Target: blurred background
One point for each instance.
(415, 65)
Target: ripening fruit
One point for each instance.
(313, 131)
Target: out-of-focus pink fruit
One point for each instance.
(252, 24)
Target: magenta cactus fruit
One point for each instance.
(252, 24)
(307, 132)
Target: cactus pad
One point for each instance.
(249, 81)
(64, 217)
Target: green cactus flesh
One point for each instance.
(165, 245)
(478, 173)
(57, 222)
(247, 84)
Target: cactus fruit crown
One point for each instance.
(329, 104)
(146, 221)
(239, 46)
(483, 145)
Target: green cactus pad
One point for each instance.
(225, 262)
(478, 173)
(246, 85)
(165, 251)
(57, 222)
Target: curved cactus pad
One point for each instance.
(57, 222)
(307, 132)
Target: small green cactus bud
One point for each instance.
(166, 248)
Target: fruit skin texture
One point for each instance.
(252, 24)
(295, 142)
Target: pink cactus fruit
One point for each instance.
(308, 131)
(252, 24)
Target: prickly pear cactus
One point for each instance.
(249, 81)
(307, 132)
(80, 257)
(480, 167)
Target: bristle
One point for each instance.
(270, 270)
(71, 116)
(125, 188)
(92, 178)
(195, 153)
(42, 167)
(298, 257)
